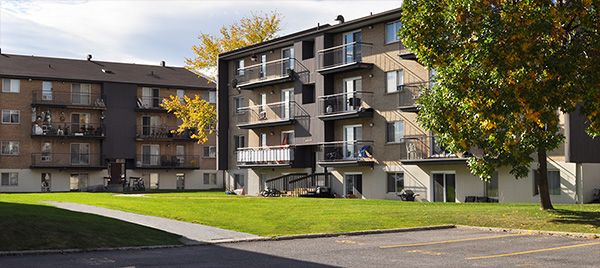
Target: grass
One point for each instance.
(284, 216)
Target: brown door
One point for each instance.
(117, 173)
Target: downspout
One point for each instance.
(578, 183)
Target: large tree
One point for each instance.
(247, 31)
(504, 70)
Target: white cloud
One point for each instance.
(148, 31)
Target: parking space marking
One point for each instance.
(532, 251)
(451, 241)
(425, 252)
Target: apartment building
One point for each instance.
(80, 125)
(334, 106)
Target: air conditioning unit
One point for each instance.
(262, 115)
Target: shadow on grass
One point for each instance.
(565, 216)
(29, 227)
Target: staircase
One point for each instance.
(306, 186)
(282, 183)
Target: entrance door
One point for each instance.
(117, 173)
(180, 181)
(444, 187)
(353, 185)
(287, 57)
(46, 182)
(287, 96)
(351, 86)
(352, 134)
(352, 49)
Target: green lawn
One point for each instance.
(284, 216)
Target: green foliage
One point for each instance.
(504, 70)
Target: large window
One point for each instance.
(553, 182)
(212, 97)
(150, 97)
(210, 151)
(151, 154)
(393, 80)
(180, 94)
(11, 85)
(395, 182)
(239, 104)
(240, 141)
(9, 147)
(81, 94)
(209, 179)
(47, 90)
(9, 179)
(491, 186)
(11, 116)
(391, 32)
(80, 153)
(395, 131)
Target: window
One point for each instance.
(46, 90)
(9, 179)
(180, 94)
(491, 186)
(11, 116)
(209, 179)
(553, 182)
(308, 94)
(9, 148)
(395, 182)
(150, 125)
(150, 97)
(241, 67)
(11, 85)
(262, 142)
(287, 137)
(263, 104)
(212, 97)
(308, 49)
(239, 104)
(263, 66)
(393, 80)
(81, 94)
(210, 151)
(151, 154)
(180, 154)
(391, 32)
(80, 153)
(239, 181)
(80, 123)
(395, 131)
(46, 152)
(240, 141)
(78, 181)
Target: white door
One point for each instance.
(287, 97)
(352, 134)
(351, 87)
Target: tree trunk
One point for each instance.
(545, 202)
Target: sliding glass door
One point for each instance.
(444, 187)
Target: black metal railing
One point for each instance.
(69, 98)
(65, 160)
(424, 147)
(410, 92)
(358, 150)
(271, 112)
(309, 183)
(161, 132)
(282, 183)
(272, 70)
(147, 102)
(271, 155)
(345, 102)
(68, 129)
(342, 55)
(167, 161)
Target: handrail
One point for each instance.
(345, 93)
(342, 142)
(266, 147)
(263, 63)
(265, 105)
(283, 176)
(310, 175)
(344, 45)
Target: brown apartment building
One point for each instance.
(334, 106)
(84, 124)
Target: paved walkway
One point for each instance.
(195, 233)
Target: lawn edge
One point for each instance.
(82, 250)
(526, 231)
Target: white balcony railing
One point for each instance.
(272, 155)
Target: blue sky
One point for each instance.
(148, 31)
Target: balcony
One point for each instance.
(346, 153)
(269, 115)
(344, 58)
(150, 104)
(68, 130)
(345, 105)
(422, 149)
(50, 160)
(162, 132)
(68, 100)
(408, 94)
(158, 161)
(272, 156)
(270, 73)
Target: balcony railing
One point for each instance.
(342, 103)
(68, 129)
(342, 55)
(268, 72)
(160, 161)
(278, 113)
(347, 151)
(151, 103)
(161, 132)
(409, 93)
(65, 160)
(87, 100)
(421, 147)
(268, 156)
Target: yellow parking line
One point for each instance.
(451, 241)
(532, 251)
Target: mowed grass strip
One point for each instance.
(286, 216)
(29, 226)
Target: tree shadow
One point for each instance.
(565, 216)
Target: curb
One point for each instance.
(75, 250)
(535, 232)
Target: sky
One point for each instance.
(147, 32)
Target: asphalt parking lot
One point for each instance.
(435, 248)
